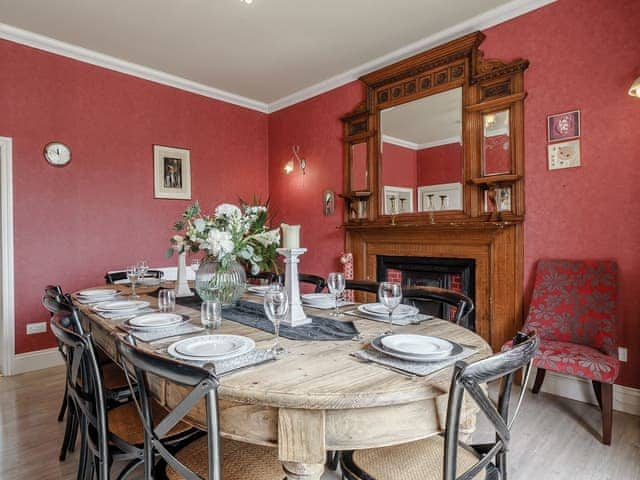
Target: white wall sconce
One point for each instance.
(634, 91)
(290, 165)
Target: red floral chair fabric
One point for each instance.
(573, 310)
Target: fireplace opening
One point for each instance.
(456, 274)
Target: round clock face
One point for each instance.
(57, 154)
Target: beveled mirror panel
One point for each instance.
(421, 159)
(496, 143)
(359, 173)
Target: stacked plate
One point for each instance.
(152, 321)
(258, 289)
(120, 308)
(142, 282)
(319, 300)
(416, 348)
(96, 295)
(211, 347)
(378, 310)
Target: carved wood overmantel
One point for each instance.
(486, 228)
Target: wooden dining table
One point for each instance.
(318, 397)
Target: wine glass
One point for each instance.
(195, 265)
(336, 284)
(276, 306)
(133, 274)
(390, 295)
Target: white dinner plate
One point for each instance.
(320, 299)
(376, 343)
(155, 320)
(422, 345)
(121, 305)
(258, 289)
(378, 310)
(142, 282)
(98, 292)
(211, 347)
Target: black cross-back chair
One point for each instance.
(462, 303)
(368, 286)
(318, 282)
(488, 461)
(202, 458)
(99, 448)
(112, 277)
(266, 277)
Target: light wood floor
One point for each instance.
(554, 438)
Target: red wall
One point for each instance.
(98, 213)
(584, 55)
(400, 168)
(315, 126)
(441, 164)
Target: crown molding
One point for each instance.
(419, 146)
(483, 21)
(399, 142)
(48, 44)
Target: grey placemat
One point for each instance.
(417, 318)
(159, 333)
(421, 369)
(224, 367)
(321, 328)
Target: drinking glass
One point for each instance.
(167, 300)
(143, 266)
(276, 306)
(133, 274)
(390, 295)
(336, 283)
(211, 314)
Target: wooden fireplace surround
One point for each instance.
(493, 240)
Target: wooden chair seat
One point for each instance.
(124, 421)
(240, 461)
(421, 460)
(113, 377)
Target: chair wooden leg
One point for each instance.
(607, 412)
(539, 379)
(597, 388)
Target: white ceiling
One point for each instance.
(430, 121)
(265, 55)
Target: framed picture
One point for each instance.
(563, 154)
(171, 172)
(563, 126)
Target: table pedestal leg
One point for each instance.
(303, 471)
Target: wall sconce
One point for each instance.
(634, 91)
(290, 165)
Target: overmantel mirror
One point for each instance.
(438, 139)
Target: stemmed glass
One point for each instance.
(276, 306)
(133, 274)
(390, 295)
(143, 267)
(336, 284)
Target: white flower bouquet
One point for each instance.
(232, 233)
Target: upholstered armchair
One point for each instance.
(573, 310)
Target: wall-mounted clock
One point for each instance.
(57, 154)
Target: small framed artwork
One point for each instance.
(564, 154)
(171, 172)
(563, 126)
(329, 202)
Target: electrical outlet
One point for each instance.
(40, 327)
(622, 354)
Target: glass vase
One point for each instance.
(226, 285)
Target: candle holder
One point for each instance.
(295, 316)
(182, 286)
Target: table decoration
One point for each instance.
(295, 316)
(233, 239)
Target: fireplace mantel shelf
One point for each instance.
(399, 225)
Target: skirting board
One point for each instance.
(30, 361)
(625, 399)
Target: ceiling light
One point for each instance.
(248, 2)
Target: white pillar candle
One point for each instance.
(290, 236)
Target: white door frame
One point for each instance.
(7, 312)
